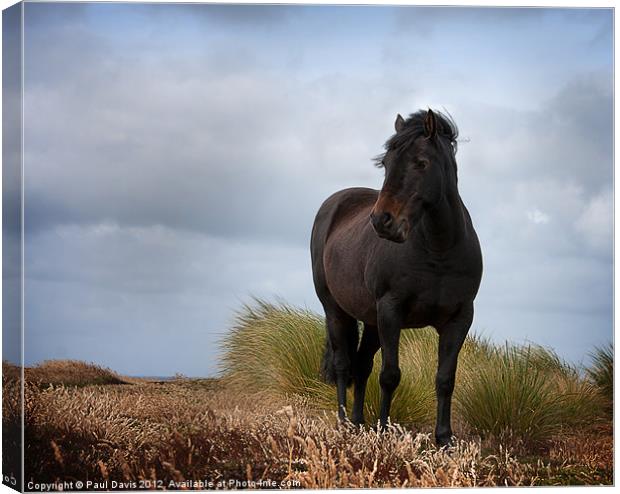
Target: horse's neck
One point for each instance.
(443, 226)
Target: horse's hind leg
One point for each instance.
(343, 338)
(362, 367)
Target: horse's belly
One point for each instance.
(344, 273)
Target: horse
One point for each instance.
(406, 256)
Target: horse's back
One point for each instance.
(337, 208)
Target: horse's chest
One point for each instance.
(433, 300)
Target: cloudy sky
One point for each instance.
(176, 156)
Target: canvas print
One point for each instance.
(306, 246)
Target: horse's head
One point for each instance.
(419, 170)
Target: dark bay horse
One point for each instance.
(403, 257)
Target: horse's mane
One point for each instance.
(414, 128)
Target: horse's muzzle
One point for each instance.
(388, 228)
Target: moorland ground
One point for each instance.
(274, 425)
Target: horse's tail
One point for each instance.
(328, 368)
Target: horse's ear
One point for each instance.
(430, 125)
(400, 123)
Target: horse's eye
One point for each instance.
(420, 164)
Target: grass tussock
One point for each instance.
(279, 349)
(601, 373)
(524, 394)
(519, 394)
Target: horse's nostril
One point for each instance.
(382, 222)
(387, 219)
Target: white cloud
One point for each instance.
(537, 217)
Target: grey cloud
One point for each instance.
(437, 21)
(42, 15)
(425, 21)
(567, 140)
(117, 290)
(235, 137)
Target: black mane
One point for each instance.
(414, 128)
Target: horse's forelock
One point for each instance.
(413, 128)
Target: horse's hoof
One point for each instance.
(444, 442)
(358, 422)
(380, 428)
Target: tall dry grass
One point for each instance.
(518, 393)
(165, 435)
(161, 435)
(11, 424)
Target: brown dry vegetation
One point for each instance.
(71, 373)
(202, 430)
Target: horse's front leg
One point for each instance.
(390, 325)
(451, 338)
